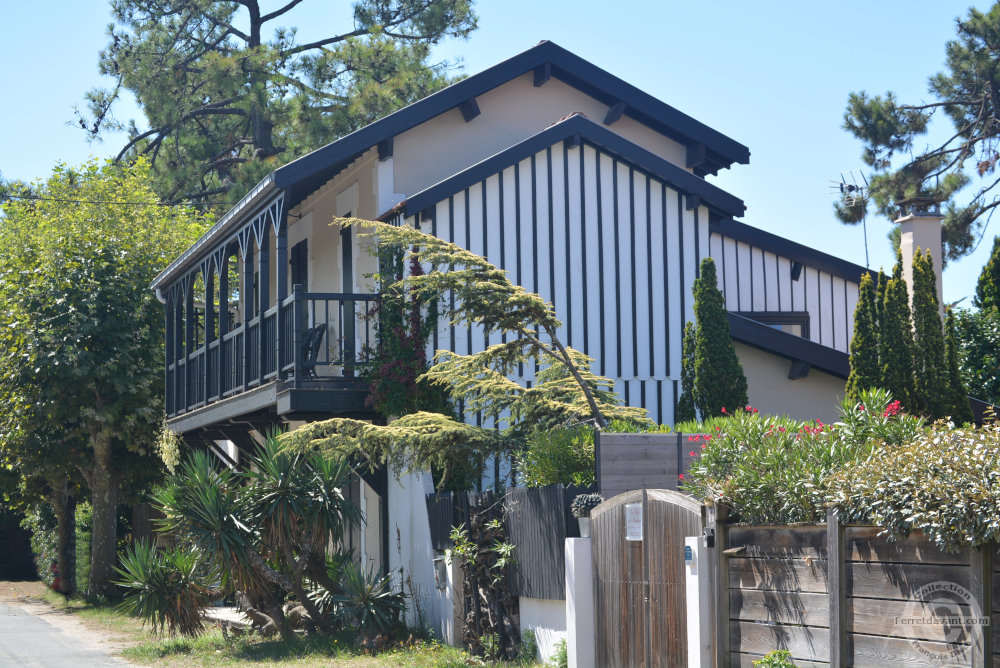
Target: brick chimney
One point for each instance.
(920, 228)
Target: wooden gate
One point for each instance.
(639, 571)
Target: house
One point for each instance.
(587, 190)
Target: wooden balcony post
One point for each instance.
(189, 339)
(264, 290)
(281, 260)
(168, 357)
(223, 321)
(297, 332)
(209, 329)
(248, 310)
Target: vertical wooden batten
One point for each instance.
(836, 583)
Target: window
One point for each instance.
(792, 322)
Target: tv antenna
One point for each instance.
(854, 194)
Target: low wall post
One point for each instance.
(698, 592)
(981, 588)
(580, 628)
(836, 565)
(721, 579)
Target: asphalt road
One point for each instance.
(28, 641)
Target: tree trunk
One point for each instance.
(64, 505)
(104, 486)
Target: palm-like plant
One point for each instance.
(368, 601)
(165, 588)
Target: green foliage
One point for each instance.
(637, 427)
(529, 645)
(864, 344)
(368, 602)
(944, 483)
(929, 370)
(165, 588)
(685, 402)
(84, 537)
(988, 286)
(169, 447)
(965, 94)
(895, 342)
(244, 95)
(957, 394)
(562, 455)
(560, 659)
(82, 335)
(978, 338)
(719, 381)
(584, 503)
(779, 658)
(41, 522)
(774, 470)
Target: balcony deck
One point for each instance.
(297, 360)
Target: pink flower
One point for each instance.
(723, 409)
(680, 476)
(692, 454)
(695, 438)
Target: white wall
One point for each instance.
(547, 618)
(770, 391)
(510, 113)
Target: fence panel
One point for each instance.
(536, 525)
(642, 461)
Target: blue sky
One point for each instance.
(773, 75)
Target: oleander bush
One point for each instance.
(770, 469)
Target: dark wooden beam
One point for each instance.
(572, 141)
(469, 109)
(615, 112)
(697, 155)
(796, 270)
(543, 73)
(692, 202)
(385, 149)
(798, 369)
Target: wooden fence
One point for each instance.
(627, 462)
(838, 595)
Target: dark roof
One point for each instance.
(796, 252)
(787, 345)
(307, 173)
(573, 128)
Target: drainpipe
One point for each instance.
(920, 228)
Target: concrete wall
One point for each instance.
(770, 391)
(547, 618)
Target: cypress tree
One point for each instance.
(929, 372)
(864, 373)
(718, 375)
(988, 286)
(958, 395)
(881, 287)
(685, 403)
(896, 342)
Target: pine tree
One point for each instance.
(929, 372)
(864, 373)
(896, 343)
(685, 403)
(958, 395)
(719, 381)
(988, 286)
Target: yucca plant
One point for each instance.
(165, 588)
(368, 602)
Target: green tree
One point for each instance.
(685, 403)
(864, 374)
(958, 405)
(978, 334)
(895, 339)
(929, 371)
(81, 334)
(988, 286)
(229, 94)
(565, 391)
(719, 382)
(966, 94)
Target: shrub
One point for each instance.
(945, 482)
(41, 522)
(368, 602)
(561, 657)
(564, 455)
(774, 470)
(779, 658)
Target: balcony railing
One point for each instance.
(311, 339)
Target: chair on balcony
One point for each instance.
(312, 338)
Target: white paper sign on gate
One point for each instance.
(633, 521)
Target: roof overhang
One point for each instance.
(789, 346)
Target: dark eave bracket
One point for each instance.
(615, 113)
(385, 149)
(469, 109)
(798, 369)
(692, 202)
(697, 155)
(543, 73)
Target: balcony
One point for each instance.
(296, 360)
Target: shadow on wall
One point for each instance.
(15, 557)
